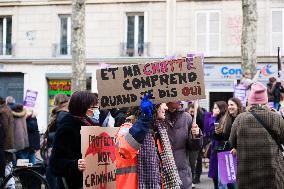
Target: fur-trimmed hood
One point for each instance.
(18, 110)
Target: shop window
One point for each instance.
(6, 35)
(59, 86)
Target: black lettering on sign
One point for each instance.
(112, 70)
(127, 71)
(173, 80)
(136, 70)
(192, 76)
(164, 79)
(117, 100)
(147, 92)
(104, 157)
(181, 78)
(104, 74)
(125, 85)
(145, 82)
(136, 83)
(154, 78)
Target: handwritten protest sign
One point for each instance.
(240, 92)
(98, 149)
(30, 98)
(167, 80)
(227, 164)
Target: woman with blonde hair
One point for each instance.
(57, 113)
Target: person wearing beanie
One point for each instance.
(260, 161)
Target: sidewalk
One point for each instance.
(205, 182)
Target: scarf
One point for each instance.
(151, 164)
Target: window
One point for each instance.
(6, 35)
(135, 45)
(276, 31)
(208, 32)
(65, 34)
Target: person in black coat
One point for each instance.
(33, 135)
(66, 160)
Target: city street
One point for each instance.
(205, 182)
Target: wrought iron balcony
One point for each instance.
(140, 49)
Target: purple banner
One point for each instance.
(30, 98)
(227, 164)
(240, 92)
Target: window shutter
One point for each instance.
(214, 33)
(276, 33)
(201, 32)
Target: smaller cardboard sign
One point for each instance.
(30, 98)
(240, 92)
(98, 149)
(227, 164)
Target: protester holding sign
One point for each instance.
(259, 160)
(184, 136)
(218, 112)
(65, 160)
(222, 133)
(144, 156)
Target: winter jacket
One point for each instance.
(67, 150)
(33, 133)
(56, 116)
(2, 156)
(128, 143)
(259, 162)
(181, 140)
(7, 121)
(21, 140)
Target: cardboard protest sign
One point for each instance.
(167, 80)
(98, 149)
(30, 98)
(240, 92)
(227, 164)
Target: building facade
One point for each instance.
(35, 39)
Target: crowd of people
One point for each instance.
(165, 134)
(19, 134)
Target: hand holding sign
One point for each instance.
(82, 165)
(147, 106)
(195, 130)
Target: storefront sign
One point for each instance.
(30, 98)
(168, 80)
(59, 86)
(234, 71)
(98, 149)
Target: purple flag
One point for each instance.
(227, 164)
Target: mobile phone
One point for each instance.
(217, 125)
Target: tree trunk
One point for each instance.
(78, 46)
(249, 36)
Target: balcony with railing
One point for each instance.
(61, 50)
(135, 50)
(7, 49)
